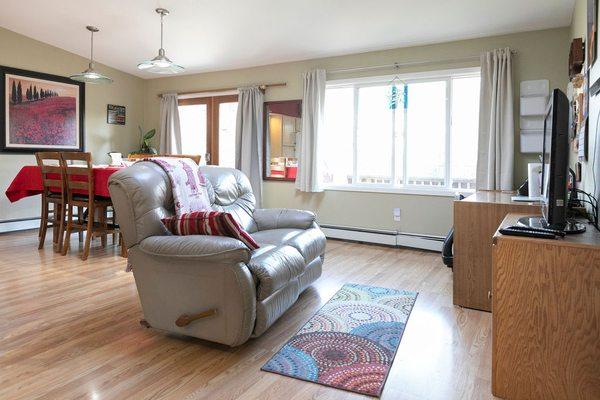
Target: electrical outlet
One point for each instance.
(396, 214)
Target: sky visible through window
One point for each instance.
(192, 121)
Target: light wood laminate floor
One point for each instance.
(69, 330)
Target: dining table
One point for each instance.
(28, 181)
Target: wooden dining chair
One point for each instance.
(79, 182)
(135, 157)
(195, 157)
(53, 192)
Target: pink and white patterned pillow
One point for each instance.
(213, 223)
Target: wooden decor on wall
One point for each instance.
(576, 57)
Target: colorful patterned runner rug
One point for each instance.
(350, 343)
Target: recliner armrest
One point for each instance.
(276, 218)
(216, 249)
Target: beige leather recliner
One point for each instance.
(187, 275)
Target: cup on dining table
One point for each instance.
(116, 159)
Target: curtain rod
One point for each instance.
(262, 87)
(397, 65)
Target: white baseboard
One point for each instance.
(19, 225)
(389, 238)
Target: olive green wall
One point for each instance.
(19, 51)
(541, 55)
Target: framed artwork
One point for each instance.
(40, 112)
(592, 31)
(115, 114)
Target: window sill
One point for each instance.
(441, 192)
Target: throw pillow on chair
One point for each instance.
(213, 223)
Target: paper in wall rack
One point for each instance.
(534, 98)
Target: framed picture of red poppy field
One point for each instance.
(40, 112)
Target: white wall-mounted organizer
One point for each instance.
(534, 99)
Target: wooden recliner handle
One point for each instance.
(186, 319)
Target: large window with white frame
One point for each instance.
(414, 131)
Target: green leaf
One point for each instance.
(150, 134)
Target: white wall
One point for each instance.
(22, 52)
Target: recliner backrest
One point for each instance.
(142, 195)
(229, 190)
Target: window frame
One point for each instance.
(212, 121)
(446, 75)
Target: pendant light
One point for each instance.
(89, 75)
(161, 64)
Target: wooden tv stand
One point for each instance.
(476, 219)
(546, 316)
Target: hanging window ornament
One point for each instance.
(393, 97)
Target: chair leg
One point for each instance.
(115, 235)
(65, 247)
(43, 224)
(61, 226)
(80, 222)
(41, 217)
(103, 238)
(89, 232)
(123, 248)
(54, 224)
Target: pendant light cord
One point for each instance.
(161, 29)
(92, 51)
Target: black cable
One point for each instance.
(587, 194)
(593, 202)
(595, 148)
(594, 208)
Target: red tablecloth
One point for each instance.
(28, 182)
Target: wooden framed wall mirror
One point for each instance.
(281, 144)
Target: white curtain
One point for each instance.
(313, 104)
(495, 157)
(248, 137)
(169, 130)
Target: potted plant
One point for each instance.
(145, 142)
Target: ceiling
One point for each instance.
(208, 35)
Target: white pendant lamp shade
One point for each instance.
(161, 63)
(89, 75)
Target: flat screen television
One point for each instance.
(555, 168)
(555, 161)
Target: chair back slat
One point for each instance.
(78, 185)
(77, 169)
(77, 156)
(53, 183)
(79, 177)
(135, 157)
(51, 169)
(53, 179)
